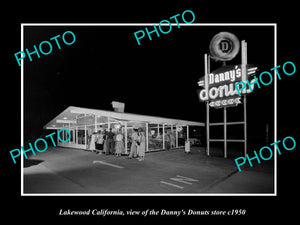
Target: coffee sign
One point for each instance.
(221, 90)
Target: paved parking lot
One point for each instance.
(66, 170)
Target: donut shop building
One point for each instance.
(82, 122)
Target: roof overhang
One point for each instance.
(68, 116)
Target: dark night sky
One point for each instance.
(157, 78)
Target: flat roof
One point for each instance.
(69, 116)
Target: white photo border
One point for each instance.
(274, 25)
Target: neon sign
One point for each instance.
(224, 46)
(222, 83)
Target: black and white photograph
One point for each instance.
(168, 115)
(135, 117)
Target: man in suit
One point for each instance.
(110, 142)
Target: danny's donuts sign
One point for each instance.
(221, 91)
(219, 86)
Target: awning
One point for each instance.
(69, 116)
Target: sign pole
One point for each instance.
(245, 126)
(244, 63)
(225, 132)
(206, 64)
(225, 125)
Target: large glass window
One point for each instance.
(64, 135)
(102, 119)
(129, 140)
(155, 137)
(81, 135)
(72, 135)
(90, 120)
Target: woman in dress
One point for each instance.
(142, 145)
(99, 142)
(119, 148)
(93, 142)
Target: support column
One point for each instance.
(76, 133)
(76, 136)
(70, 133)
(225, 132)
(207, 71)
(85, 132)
(176, 136)
(147, 138)
(163, 137)
(95, 123)
(125, 137)
(108, 123)
(244, 72)
(187, 133)
(245, 126)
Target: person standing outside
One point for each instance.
(109, 142)
(172, 140)
(133, 149)
(93, 142)
(99, 142)
(119, 144)
(142, 145)
(104, 141)
(168, 140)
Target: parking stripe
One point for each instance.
(174, 185)
(108, 164)
(180, 180)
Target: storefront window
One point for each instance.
(81, 120)
(81, 135)
(90, 120)
(64, 135)
(129, 140)
(155, 137)
(102, 119)
(72, 136)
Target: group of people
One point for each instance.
(108, 142)
(138, 145)
(170, 140)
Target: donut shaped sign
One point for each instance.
(224, 46)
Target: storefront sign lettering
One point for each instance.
(222, 86)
